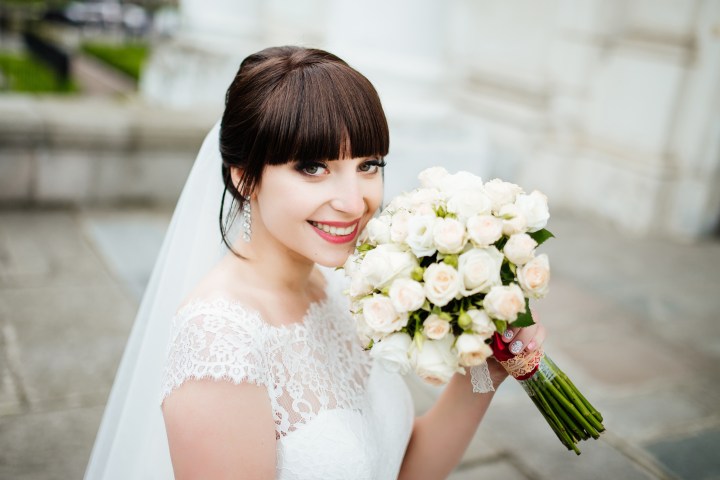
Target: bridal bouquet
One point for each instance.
(444, 270)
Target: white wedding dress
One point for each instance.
(337, 414)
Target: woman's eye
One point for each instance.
(311, 169)
(372, 166)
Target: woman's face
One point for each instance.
(316, 210)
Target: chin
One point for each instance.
(333, 261)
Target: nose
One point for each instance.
(348, 197)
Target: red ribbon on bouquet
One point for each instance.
(522, 366)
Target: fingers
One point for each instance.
(524, 339)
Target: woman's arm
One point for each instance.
(441, 436)
(220, 430)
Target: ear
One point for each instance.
(236, 175)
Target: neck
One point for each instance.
(272, 266)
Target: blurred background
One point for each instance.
(611, 108)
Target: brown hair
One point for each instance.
(296, 104)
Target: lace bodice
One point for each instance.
(336, 414)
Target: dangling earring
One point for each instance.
(246, 220)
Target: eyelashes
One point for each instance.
(317, 168)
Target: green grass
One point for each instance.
(127, 58)
(22, 73)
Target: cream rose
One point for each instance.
(468, 203)
(420, 235)
(504, 302)
(399, 226)
(535, 209)
(448, 235)
(481, 323)
(534, 276)
(381, 316)
(406, 295)
(393, 352)
(431, 177)
(501, 193)
(484, 230)
(378, 230)
(479, 270)
(513, 219)
(472, 349)
(442, 283)
(384, 263)
(435, 327)
(520, 248)
(436, 361)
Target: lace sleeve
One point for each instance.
(480, 377)
(210, 341)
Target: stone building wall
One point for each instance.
(611, 107)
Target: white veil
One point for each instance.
(132, 442)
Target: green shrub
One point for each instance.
(127, 58)
(22, 73)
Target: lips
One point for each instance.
(336, 232)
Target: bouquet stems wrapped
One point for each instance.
(565, 409)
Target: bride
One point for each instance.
(260, 374)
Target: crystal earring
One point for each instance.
(246, 220)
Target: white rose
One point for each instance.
(520, 248)
(401, 202)
(481, 323)
(365, 333)
(448, 235)
(431, 177)
(378, 230)
(380, 315)
(468, 203)
(435, 327)
(504, 302)
(393, 352)
(472, 349)
(534, 276)
(513, 219)
(384, 263)
(399, 226)
(484, 230)
(406, 295)
(535, 209)
(423, 201)
(479, 270)
(436, 361)
(461, 180)
(420, 235)
(501, 193)
(359, 286)
(352, 264)
(442, 283)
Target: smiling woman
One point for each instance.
(264, 375)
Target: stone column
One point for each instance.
(195, 67)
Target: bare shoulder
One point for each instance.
(223, 282)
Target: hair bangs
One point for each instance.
(323, 112)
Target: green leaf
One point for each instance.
(541, 236)
(365, 247)
(500, 325)
(524, 319)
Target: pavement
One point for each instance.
(633, 321)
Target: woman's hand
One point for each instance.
(521, 340)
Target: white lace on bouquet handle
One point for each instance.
(480, 378)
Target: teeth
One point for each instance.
(336, 231)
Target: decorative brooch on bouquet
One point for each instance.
(440, 275)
